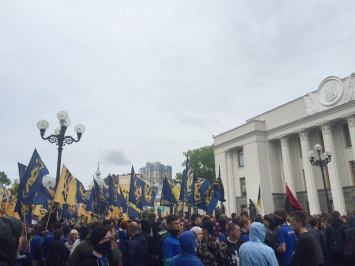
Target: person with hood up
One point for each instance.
(187, 255)
(137, 251)
(101, 241)
(255, 252)
(11, 230)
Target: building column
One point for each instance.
(230, 188)
(312, 192)
(286, 163)
(337, 190)
(351, 124)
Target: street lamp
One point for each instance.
(59, 137)
(321, 163)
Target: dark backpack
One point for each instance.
(349, 250)
(337, 243)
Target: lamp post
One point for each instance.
(321, 163)
(59, 137)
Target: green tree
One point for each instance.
(202, 162)
(4, 180)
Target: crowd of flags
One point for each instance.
(73, 202)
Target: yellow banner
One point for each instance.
(66, 189)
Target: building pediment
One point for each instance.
(332, 92)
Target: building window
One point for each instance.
(352, 170)
(347, 135)
(240, 158)
(243, 187)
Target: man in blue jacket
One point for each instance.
(187, 254)
(171, 246)
(48, 239)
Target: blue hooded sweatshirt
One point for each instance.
(255, 252)
(187, 255)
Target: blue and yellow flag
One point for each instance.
(183, 185)
(21, 170)
(66, 188)
(259, 199)
(100, 198)
(190, 183)
(201, 185)
(121, 200)
(133, 213)
(32, 179)
(218, 187)
(68, 211)
(167, 197)
(148, 195)
(91, 202)
(44, 197)
(81, 196)
(135, 190)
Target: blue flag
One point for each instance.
(101, 200)
(190, 183)
(68, 211)
(218, 187)
(122, 201)
(132, 213)
(135, 190)
(43, 197)
(167, 197)
(81, 196)
(201, 185)
(183, 186)
(21, 170)
(148, 196)
(91, 202)
(32, 179)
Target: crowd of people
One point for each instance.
(275, 239)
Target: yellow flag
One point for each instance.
(66, 188)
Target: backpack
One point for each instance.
(349, 250)
(337, 243)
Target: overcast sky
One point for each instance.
(152, 79)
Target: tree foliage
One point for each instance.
(202, 162)
(4, 180)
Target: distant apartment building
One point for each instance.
(154, 173)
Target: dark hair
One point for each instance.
(95, 224)
(313, 221)
(300, 216)
(84, 232)
(282, 213)
(110, 227)
(234, 215)
(231, 227)
(107, 222)
(335, 215)
(171, 218)
(57, 234)
(57, 225)
(259, 219)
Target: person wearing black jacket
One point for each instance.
(335, 226)
(146, 229)
(137, 251)
(58, 253)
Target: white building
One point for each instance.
(272, 149)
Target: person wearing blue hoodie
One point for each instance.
(255, 252)
(187, 255)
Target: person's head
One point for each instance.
(298, 220)
(95, 224)
(107, 222)
(244, 224)
(146, 226)
(76, 226)
(336, 215)
(112, 230)
(173, 222)
(57, 225)
(182, 224)
(57, 234)
(133, 229)
(11, 231)
(257, 232)
(208, 228)
(234, 231)
(187, 242)
(73, 235)
(101, 240)
(124, 224)
(244, 214)
(152, 216)
(281, 214)
(233, 215)
(198, 233)
(84, 232)
(196, 218)
(222, 222)
(313, 221)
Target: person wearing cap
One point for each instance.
(195, 220)
(255, 252)
(101, 242)
(187, 255)
(211, 251)
(11, 230)
(35, 255)
(137, 251)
